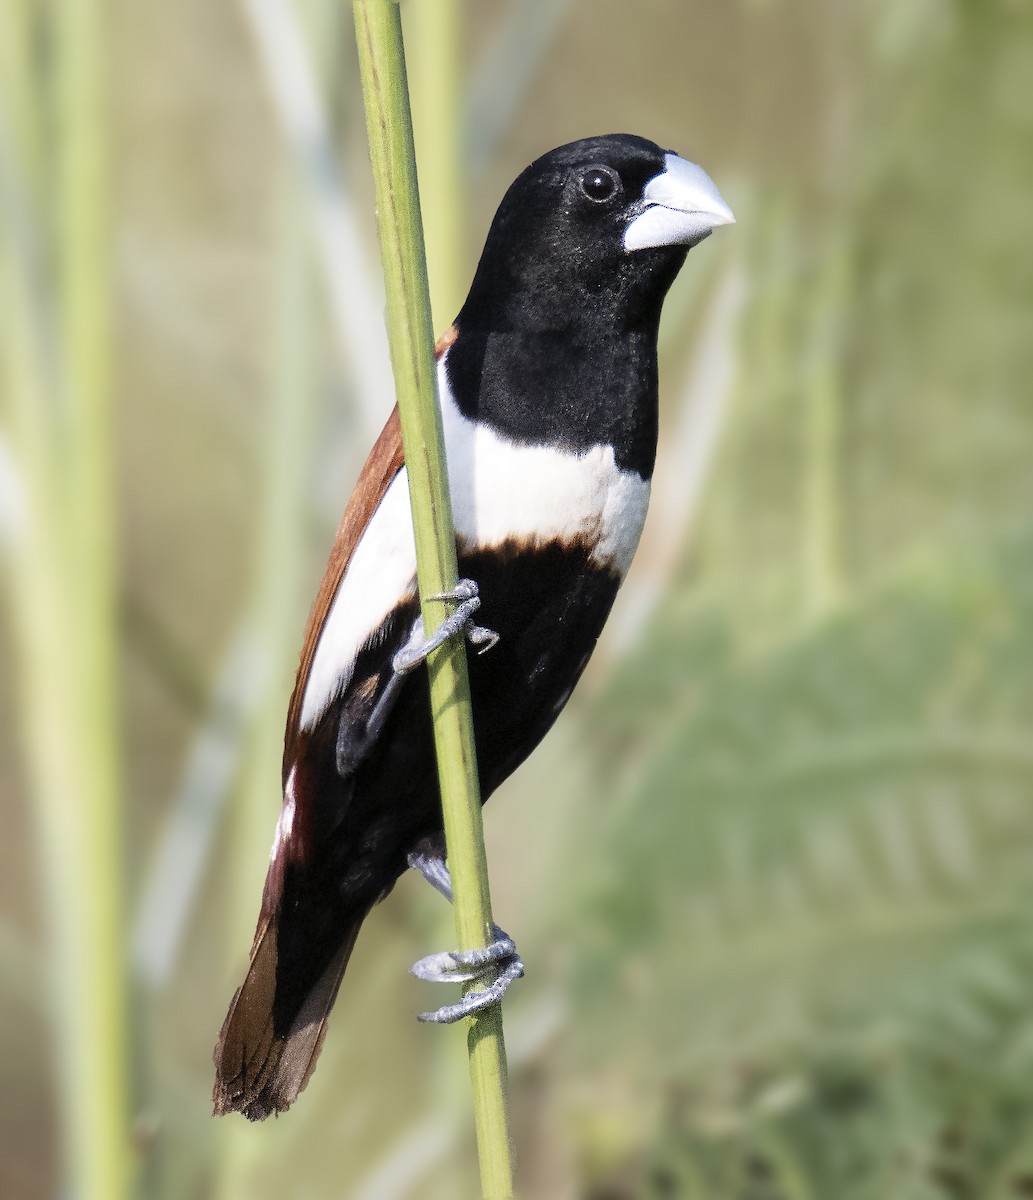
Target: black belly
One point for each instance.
(352, 835)
(548, 608)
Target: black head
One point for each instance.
(593, 232)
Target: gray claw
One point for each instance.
(460, 966)
(474, 1002)
(418, 646)
(463, 966)
(465, 589)
(484, 638)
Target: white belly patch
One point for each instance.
(500, 490)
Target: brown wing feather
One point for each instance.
(383, 464)
(260, 1071)
(446, 341)
(257, 1072)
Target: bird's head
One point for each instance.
(592, 231)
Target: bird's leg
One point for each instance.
(418, 646)
(355, 736)
(497, 964)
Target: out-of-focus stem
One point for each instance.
(99, 1008)
(63, 577)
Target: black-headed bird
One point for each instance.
(548, 392)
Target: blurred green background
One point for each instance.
(773, 871)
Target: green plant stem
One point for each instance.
(101, 1008)
(389, 126)
(64, 592)
(434, 34)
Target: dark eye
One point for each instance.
(599, 184)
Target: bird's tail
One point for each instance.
(262, 1059)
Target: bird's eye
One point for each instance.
(599, 184)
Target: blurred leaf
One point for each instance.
(830, 847)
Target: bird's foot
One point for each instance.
(355, 738)
(468, 600)
(497, 965)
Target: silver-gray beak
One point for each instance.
(680, 206)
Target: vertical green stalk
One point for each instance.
(434, 35)
(389, 126)
(100, 1009)
(434, 38)
(64, 591)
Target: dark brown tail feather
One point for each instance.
(258, 1073)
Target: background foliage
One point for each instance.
(772, 870)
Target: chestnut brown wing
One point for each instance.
(383, 464)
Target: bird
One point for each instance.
(548, 390)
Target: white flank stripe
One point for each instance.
(381, 574)
(500, 490)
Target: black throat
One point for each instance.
(556, 343)
(572, 389)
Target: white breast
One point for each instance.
(500, 490)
